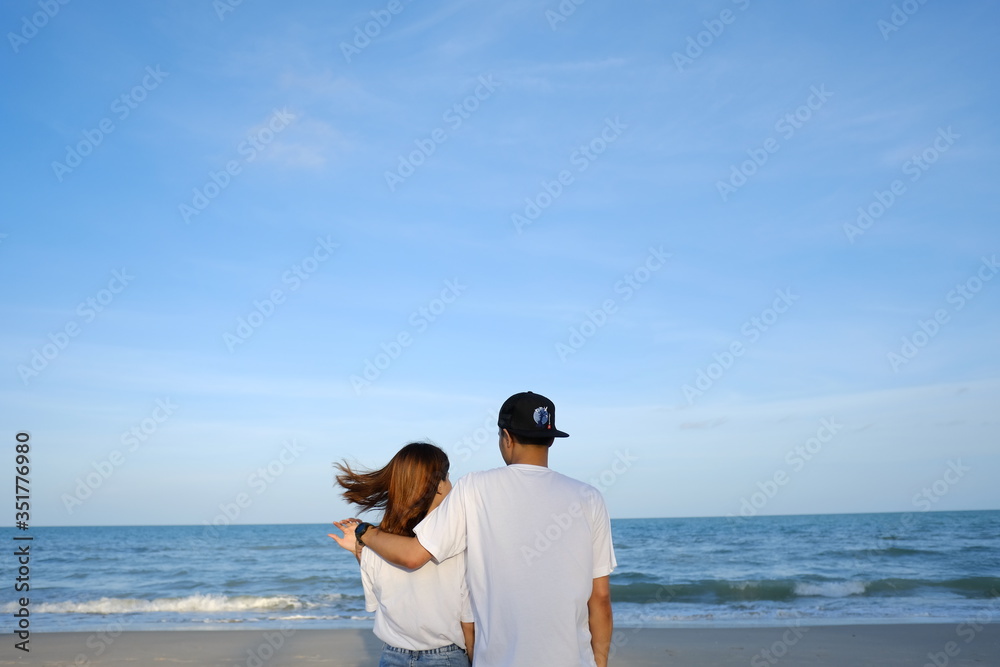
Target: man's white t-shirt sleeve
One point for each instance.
(368, 580)
(466, 603)
(443, 531)
(604, 552)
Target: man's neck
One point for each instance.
(530, 455)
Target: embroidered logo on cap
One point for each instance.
(542, 417)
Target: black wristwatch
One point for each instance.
(360, 531)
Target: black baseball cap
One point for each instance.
(530, 415)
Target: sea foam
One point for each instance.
(191, 603)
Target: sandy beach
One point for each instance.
(827, 646)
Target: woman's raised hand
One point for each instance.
(347, 540)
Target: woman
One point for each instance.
(423, 612)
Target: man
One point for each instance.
(538, 546)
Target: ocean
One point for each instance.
(808, 570)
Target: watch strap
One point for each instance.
(360, 530)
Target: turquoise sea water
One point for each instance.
(918, 567)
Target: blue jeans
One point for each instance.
(446, 656)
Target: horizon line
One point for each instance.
(633, 518)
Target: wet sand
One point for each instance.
(913, 645)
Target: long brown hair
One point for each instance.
(404, 488)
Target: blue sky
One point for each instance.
(749, 250)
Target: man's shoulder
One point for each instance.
(555, 478)
(480, 476)
(588, 495)
(572, 482)
(470, 482)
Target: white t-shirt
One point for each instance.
(416, 609)
(535, 541)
